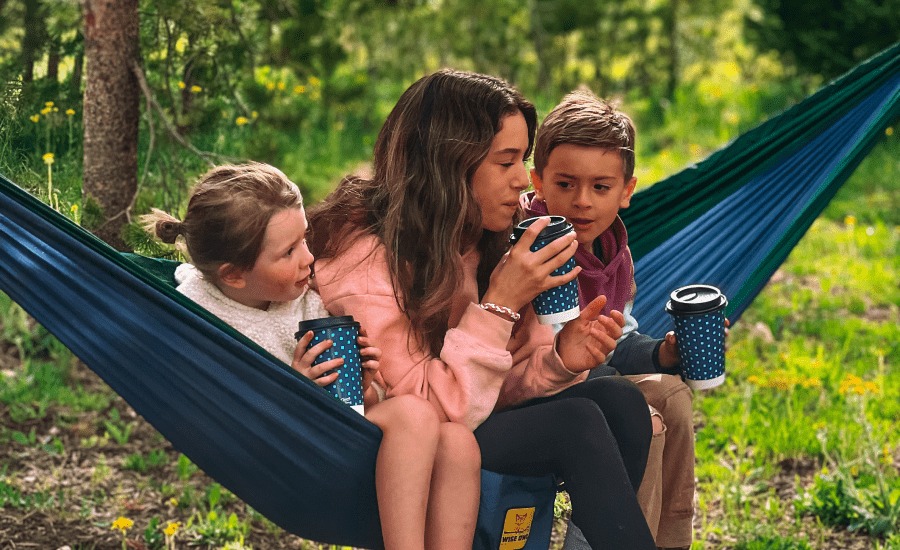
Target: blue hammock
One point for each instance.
(305, 461)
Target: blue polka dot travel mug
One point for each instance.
(343, 332)
(560, 304)
(699, 315)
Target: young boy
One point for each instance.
(584, 170)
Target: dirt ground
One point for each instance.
(91, 490)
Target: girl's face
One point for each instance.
(500, 178)
(282, 268)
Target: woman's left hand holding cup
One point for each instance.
(584, 342)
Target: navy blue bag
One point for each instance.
(516, 513)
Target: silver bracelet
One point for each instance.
(503, 310)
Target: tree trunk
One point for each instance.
(111, 115)
(31, 42)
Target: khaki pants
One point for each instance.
(666, 495)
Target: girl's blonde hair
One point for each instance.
(227, 215)
(419, 201)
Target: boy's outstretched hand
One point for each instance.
(586, 340)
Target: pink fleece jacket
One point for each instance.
(482, 366)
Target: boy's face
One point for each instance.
(586, 185)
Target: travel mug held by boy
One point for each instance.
(559, 304)
(343, 332)
(699, 314)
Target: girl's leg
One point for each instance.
(570, 437)
(455, 488)
(403, 468)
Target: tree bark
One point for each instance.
(31, 42)
(111, 114)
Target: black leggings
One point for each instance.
(595, 436)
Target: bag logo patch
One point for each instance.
(516, 528)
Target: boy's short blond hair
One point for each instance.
(584, 119)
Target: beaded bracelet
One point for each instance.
(502, 310)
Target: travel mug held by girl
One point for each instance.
(343, 332)
(559, 304)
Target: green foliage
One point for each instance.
(773, 543)
(186, 468)
(829, 41)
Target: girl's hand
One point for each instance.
(586, 340)
(370, 356)
(522, 274)
(303, 361)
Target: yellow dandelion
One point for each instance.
(35, 118)
(254, 114)
(74, 209)
(299, 89)
(56, 109)
(282, 85)
(46, 110)
(755, 380)
(270, 85)
(122, 524)
(48, 104)
(889, 131)
(70, 112)
(313, 81)
(172, 528)
(173, 501)
(241, 120)
(886, 455)
(854, 471)
(872, 387)
(181, 85)
(48, 158)
(850, 220)
(196, 89)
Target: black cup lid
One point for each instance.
(695, 299)
(557, 227)
(325, 323)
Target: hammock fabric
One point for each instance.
(732, 219)
(294, 453)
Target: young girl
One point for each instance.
(245, 231)
(419, 255)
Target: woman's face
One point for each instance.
(501, 177)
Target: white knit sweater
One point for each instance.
(273, 328)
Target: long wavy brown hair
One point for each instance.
(419, 201)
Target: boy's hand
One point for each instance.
(370, 356)
(668, 350)
(585, 341)
(303, 361)
(522, 274)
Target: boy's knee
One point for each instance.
(680, 409)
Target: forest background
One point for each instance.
(798, 450)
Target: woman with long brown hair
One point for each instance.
(420, 255)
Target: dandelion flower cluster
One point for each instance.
(850, 220)
(172, 528)
(35, 118)
(196, 89)
(48, 158)
(783, 380)
(855, 385)
(122, 524)
(241, 120)
(70, 112)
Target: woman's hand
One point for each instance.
(586, 340)
(522, 274)
(370, 356)
(303, 361)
